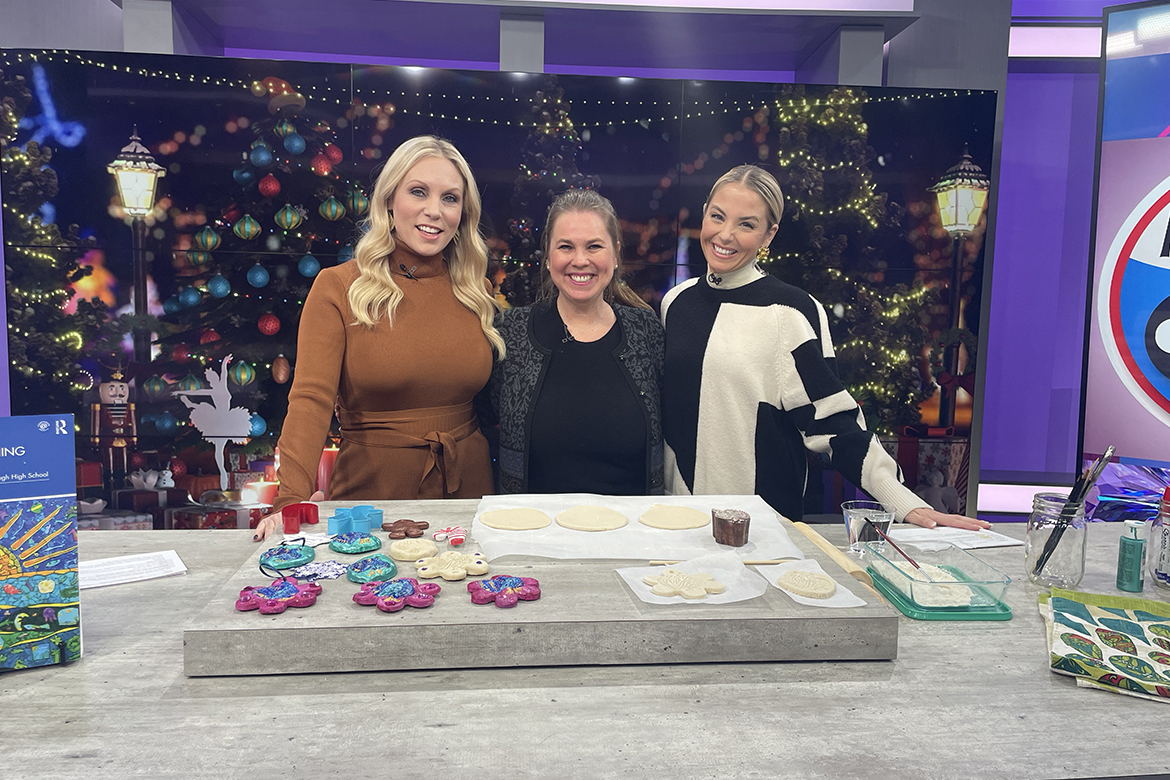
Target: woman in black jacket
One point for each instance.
(578, 394)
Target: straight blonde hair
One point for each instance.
(375, 294)
(573, 201)
(759, 181)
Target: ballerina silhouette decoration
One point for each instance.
(218, 421)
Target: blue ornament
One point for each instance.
(258, 426)
(257, 276)
(309, 266)
(172, 304)
(261, 157)
(245, 177)
(190, 297)
(218, 286)
(148, 418)
(294, 143)
(166, 422)
(345, 255)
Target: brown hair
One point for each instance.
(575, 200)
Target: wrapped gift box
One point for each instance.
(237, 479)
(89, 474)
(197, 484)
(919, 456)
(205, 516)
(115, 520)
(141, 500)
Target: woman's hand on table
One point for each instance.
(929, 518)
(268, 524)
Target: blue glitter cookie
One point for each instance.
(372, 567)
(355, 542)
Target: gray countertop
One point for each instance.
(962, 700)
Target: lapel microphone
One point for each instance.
(409, 271)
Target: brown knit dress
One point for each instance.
(408, 429)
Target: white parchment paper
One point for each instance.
(767, 538)
(841, 599)
(741, 583)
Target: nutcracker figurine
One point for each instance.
(113, 426)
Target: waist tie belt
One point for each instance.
(436, 429)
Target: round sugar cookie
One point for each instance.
(412, 549)
(515, 519)
(591, 518)
(810, 584)
(674, 518)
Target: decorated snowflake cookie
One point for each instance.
(451, 565)
(673, 582)
(393, 595)
(504, 590)
(277, 597)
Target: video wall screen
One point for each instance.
(268, 167)
(1127, 374)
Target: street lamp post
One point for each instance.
(137, 175)
(962, 196)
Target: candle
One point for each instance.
(325, 469)
(265, 491)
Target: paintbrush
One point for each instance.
(1076, 499)
(901, 552)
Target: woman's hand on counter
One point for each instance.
(929, 518)
(267, 525)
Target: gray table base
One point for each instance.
(586, 615)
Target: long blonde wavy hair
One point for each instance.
(375, 294)
(572, 201)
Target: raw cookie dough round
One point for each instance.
(674, 518)
(591, 518)
(515, 519)
(412, 549)
(810, 584)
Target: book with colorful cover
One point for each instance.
(40, 621)
(1116, 643)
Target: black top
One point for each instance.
(588, 427)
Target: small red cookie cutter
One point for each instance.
(295, 514)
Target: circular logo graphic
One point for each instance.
(1133, 302)
(43, 425)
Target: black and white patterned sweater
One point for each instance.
(750, 383)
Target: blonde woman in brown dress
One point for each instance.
(402, 338)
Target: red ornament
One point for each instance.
(333, 152)
(137, 460)
(269, 186)
(208, 336)
(178, 468)
(181, 353)
(269, 324)
(232, 214)
(321, 165)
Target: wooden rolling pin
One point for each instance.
(843, 560)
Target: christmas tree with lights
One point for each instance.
(245, 274)
(548, 167)
(40, 264)
(838, 230)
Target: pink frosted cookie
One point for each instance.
(505, 590)
(393, 595)
(277, 597)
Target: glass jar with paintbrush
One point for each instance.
(1063, 534)
(1054, 548)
